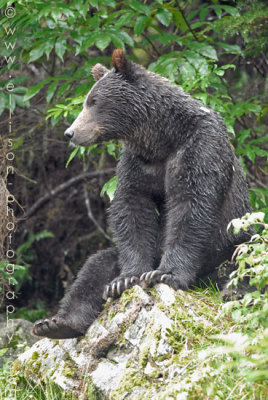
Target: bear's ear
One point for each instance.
(121, 63)
(98, 71)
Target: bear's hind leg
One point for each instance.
(83, 301)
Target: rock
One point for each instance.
(127, 353)
(15, 337)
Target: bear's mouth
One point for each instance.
(86, 138)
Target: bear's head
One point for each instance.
(114, 106)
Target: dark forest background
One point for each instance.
(216, 50)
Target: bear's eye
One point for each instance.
(92, 102)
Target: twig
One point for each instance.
(60, 188)
(91, 216)
(152, 44)
(256, 180)
(186, 22)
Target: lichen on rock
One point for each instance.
(140, 347)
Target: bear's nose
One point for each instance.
(69, 133)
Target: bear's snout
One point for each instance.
(69, 133)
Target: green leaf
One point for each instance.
(166, 38)
(103, 40)
(124, 19)
(202, 96)
(19, 89)
(91, 148)
(3, 351)
(187, 71)
(31, 92)
(81, 90)
(218, 10)
(203, 12)
(3, 102)
(42, 48)
(49, 46)
(140, 7)
(110, 3)
(82, 8)
(140, 25)
(94, 3)
(43, 234)
(19, 100)
(163, 16)
(94, 22)
(126, 38)
(179, 20)
(18, 143)
(231, 10)
(219, 72)
(195, 58)
(56, 13)
(45, 11)
(242, 136)
(36, 53)
(226, 66)
(109, 188)
(231, 48)
(205, 49)
(63, 88)
(50, 23)
(72, 155)
(192, 14)
(51, 90)
(117, 41)
(60, 47)
(111, 149)
(88, 43)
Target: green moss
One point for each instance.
(111, 313)
(91, 391)
(36, 367)
(156, 373)
(131, 379)
(164, 357)
(144, 356)
(162, 307)
(176, 339)
(128, 296)
(16, 367)
(154, 293)
(35, 356)
(68, 370)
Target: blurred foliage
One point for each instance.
(213, 49)
(248, 347)
(252, 260)
(31, 315)
(25, 255)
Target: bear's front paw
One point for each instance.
(157, 276)
(118, 285)
(54, 328)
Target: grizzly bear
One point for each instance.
(179, 185)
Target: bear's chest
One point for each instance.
(154, 178)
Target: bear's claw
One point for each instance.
(54, 328)
(152, 277)
(117, 287)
